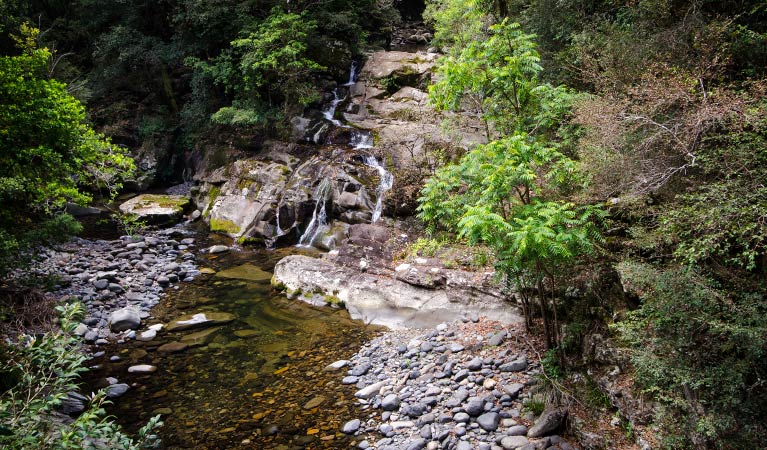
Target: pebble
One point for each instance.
(443, 389)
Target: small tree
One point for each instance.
(47, 153)
(495, 195)
(499, 76)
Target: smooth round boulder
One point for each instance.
(128, 318)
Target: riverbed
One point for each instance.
(256, 382)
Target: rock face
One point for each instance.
(274, 197)
(155, 208)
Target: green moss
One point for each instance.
(249, 240)
(227, 226)
(165, 201)
(332, 300)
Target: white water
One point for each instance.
(330, 112)
(352, 74)
(387, 180)
(361, 140)
(319, 216)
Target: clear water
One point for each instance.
(255, 374)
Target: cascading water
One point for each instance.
(387, 180)
(330, 112)
(352, 74)
(319, 216)
(361, 139)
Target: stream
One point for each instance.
(257, 382)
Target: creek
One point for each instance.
(256, 382)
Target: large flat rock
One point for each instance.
(200, 320)
(390, 302)
(156, 208)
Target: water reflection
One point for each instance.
(255, 382)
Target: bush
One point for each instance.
(700, 354)
(38, 372)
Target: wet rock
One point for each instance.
(142, 369)
(172, 347)
(218, 249)
(338, 365)
(246, 272)
(200, 320)
(117, 390)
(73, 403)
(314, 402)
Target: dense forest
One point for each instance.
(620, 190)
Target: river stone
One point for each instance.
(199, 337)
(200, 320)
(489, 421)
(351, 426)
(246, 272)
(245, 333)
(513, 389)
(497, 339)
(116, 390)
(218, 249)
(475, 364)
(417, 444)
(474, 407)
(513, 442)
(550, 420)
(371, 390)
(517, 430)
(73, 403)
(142, 368)
(517, 365)
(390, 403)
(172, 347)
(124, 319)
(463, 445)
(147, 335)
(315, 402)
(101, 284)
(338, 365)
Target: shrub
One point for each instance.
(38, 373)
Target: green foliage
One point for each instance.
(40, 371)
(699, 352)
(499, 75)
(425, 247)
(47, 154)
(273, 65)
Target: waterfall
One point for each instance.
(387, 180)
(361, 139)
(319, 216)
(330, 112)
(352, 74)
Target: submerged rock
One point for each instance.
(200, 320)
(246, 272)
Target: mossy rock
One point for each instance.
(156, 208)
(224, 225)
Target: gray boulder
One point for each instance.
(550, 421)
(124, 319)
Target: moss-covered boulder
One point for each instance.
(156, 208)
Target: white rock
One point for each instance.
(142, 368)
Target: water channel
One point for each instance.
(257, 382)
